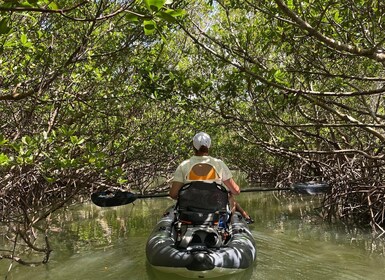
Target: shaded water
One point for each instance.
(94, 243)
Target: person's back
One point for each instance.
(202, 167)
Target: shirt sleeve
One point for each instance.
(178, 175)
(226, 173)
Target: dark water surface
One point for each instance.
(92, 243)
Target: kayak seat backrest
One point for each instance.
(198, 218)
(199, 209)
(201, 203)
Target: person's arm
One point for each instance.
(232, 186)
(174, 190)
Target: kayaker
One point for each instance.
(202, 167)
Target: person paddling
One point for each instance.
(202, 167)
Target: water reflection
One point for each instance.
(95, 243)
(153, 274)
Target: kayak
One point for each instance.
(202, 256)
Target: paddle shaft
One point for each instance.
(245, 190)
(110, 199)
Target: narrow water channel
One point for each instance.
(92, 243)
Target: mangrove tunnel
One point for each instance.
(104, 95)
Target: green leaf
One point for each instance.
(132, 18)
(279, 76)
(4, 28)
(3, 140)
(122, 181)
(24, 39)
(290, 4)
(154, 5)
(26, 140)
(166, 16)
(26, 4)
(53, 6)
(50, 179)
(171, 15)
(74, 139)
(176, 13)
(337, 17)
(4, 159)
(149, 27)
(33, 2)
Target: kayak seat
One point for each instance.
(198, 218)
(203, 197)
(200, 208)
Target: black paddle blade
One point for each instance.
(110, 199)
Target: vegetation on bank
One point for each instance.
(107, 94)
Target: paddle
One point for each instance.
(117, 198)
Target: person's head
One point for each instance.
(201, 142)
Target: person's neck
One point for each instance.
(199, 154)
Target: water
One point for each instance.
(109, 243)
